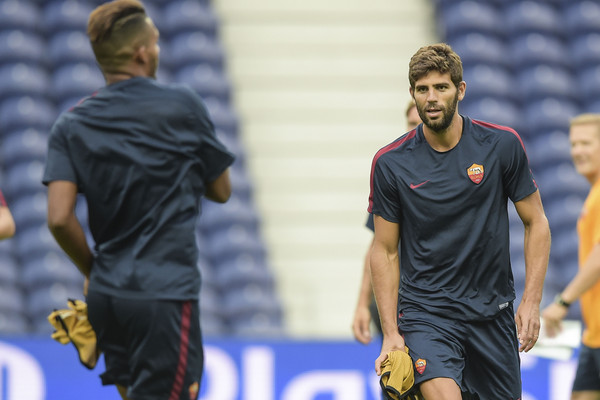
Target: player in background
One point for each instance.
(584, 135)
(443, 190)
(143, 154)
(7, 223)
(366, 309)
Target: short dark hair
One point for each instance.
(115, 30)
(436, 57)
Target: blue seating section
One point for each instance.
(46, 67)
(533, 65)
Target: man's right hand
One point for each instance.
(390, 343)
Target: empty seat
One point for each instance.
(30, 209)
(533, 17)
(19, 14)
(27, 144)
(76, 80)
(11, 299)
(189, 16)
(490, 109)
(233, 240)
(66, 15)
(561, 180)
(582, 17)
(48, 268)
(13, 324)
(206, 80)
(22, 46)
(543, 80)
(43, 300)
(26, 112)
(33, 241)
(478, 48)
(9, 270)
(195, 48)
(248, 299)
(24, 178)
(70, 47)
(563, 212)
(258, 325)
(238, 210)
(242, 270)
(23, 79)
(550, 114)
(222, 115)
(585, 50)
(565, 250)
(589, 84)
(534, 48)
(470, 16)
(212, 325)
(550, 149)
(484, 80)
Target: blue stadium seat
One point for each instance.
(588, 80)
(222, 115)
(32, 242)
(233, 240)
(189, 16)
(13, 324)
(561, 180)
(549, 114)
(533, 48)
(212, 325)
(548, 150)
(582, 17)
(206, 80)
(585, 50)
(195, 48)
(543, 80)
(9, 270)
(248, 299)
(43, 300)
(50, 267)
(490, 109)
(70, 47)
(241, 270)
(11, 299)
(23, 79)
(22, 46)
(478, 48)
(485, 80)
(260, 324)
(76, 80)
(26, 112)
(30, 209)
(470, 16)
(24, 178)
(23, 145)
(563, 212)
(565, 246)
(19, 14)
(65, 15)
(533, 17)
(238, 210)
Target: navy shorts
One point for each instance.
(587, 377)
(481, 356)
(152, 347)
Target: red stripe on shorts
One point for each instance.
(186, 313)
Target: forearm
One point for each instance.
(537, 252)
(588, 276)
(71, 238)
(365, 292)
(7, 224)
(385, 278)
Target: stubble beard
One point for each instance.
(443, 124)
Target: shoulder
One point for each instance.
(487, 131)
(397, 147)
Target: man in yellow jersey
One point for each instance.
(585, 149)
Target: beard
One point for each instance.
(445, 121)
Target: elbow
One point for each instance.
(57, 223)
(220, 196)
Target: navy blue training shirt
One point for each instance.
(452, 211)
(142, 153)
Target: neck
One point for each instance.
(124, 73)
(446, 139)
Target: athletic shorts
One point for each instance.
(152, 347)
(587, 377)
(482, 357)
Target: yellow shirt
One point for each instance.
(588, 229)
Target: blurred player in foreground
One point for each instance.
(143, 154)
(443, 190)
(7, 223)
(585, 149)
(366, 309)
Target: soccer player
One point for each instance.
(443, 189)
(585, 150)
(7, 223)
(143, 154)
(366, 309)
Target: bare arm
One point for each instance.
(537, 252)
(362, 315)
(385, 277)
(65, 227)
(7, 223)
(219, 190)
(587, 276)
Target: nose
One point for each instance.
(431, 96)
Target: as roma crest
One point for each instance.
(420, 365)
(475, 173)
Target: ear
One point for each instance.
(412, 92)
(140, 56)
(462, 88)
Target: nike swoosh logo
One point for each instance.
(413, 186)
